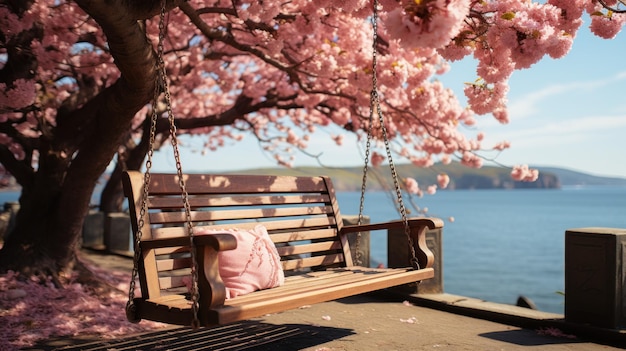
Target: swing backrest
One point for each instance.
(301, 215)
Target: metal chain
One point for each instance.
(131, 308)
(195, 295)
(195, 323)
(161, 81)
(375, 105)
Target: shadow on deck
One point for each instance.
(247, 335)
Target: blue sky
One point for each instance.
(568, 113)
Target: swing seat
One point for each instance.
(302, 217)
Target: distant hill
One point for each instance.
(571, 178)
(461, 177)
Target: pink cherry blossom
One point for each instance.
(338, 139)
(429, 24)
(431, 190)
(502, 145)
(443, 180)
(377, 159)
(471, 160)
(21, 94)
(524, 174)
(608, 25)
(411, 186)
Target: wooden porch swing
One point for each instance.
(178, 270)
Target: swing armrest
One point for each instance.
(219, 242)
(210, 285)
(417, 232)
(431, 223)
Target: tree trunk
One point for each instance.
(56, 199)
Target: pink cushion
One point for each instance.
(253, 265)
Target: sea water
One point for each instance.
(503, 243)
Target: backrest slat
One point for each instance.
(197, 201)
(239, 214)
(272, 226)
(173, 281)
(173, 264)
(308, 248)
(297, 235)
(167, 184)
(316, 261)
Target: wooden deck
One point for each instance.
(376, 322)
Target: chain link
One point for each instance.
(375, 106)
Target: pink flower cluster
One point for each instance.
(426, 23)
(377, 159)
(443, 180)
(21, 94)
(524, 174)
(604, 23)
(412, 186)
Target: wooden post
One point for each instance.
(117, 232)
(364, 242)
(595, 273)
(93, 230)
(398, 255)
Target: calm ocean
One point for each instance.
(502, 243)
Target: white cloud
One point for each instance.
(528, 105)
(559, 133)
